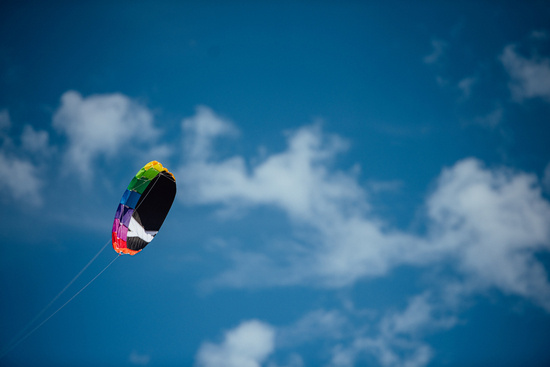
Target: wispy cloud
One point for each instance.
(541, 35)
(491, 222)
(530, 78)
(438, 50)
(201, 130)
(396, 338)
(299, 181)
(466, 85)
(139, 359)
(438, 61)
(492, 119)
(317, 324)
(22, 180)
(36, 141)
(488, 224)
(397, 341)
(393, 339)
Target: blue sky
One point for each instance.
(359, 184)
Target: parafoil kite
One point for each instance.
(143, 208)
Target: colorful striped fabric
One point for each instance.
(143, 208)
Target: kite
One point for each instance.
(143, 208)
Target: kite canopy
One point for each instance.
(143, 208)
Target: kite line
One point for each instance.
(21, 336)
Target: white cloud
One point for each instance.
(493, 222)
(404, 354)
(296, 180)
(21, 179)
(299, 181)
(318, 324)
(486, 223)
(420, 316)
(247, 345)
(489, 222)
(394, 340)
(397, 341)
(102, 126)
(530, 78)
(202, 129)
(253, 341)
